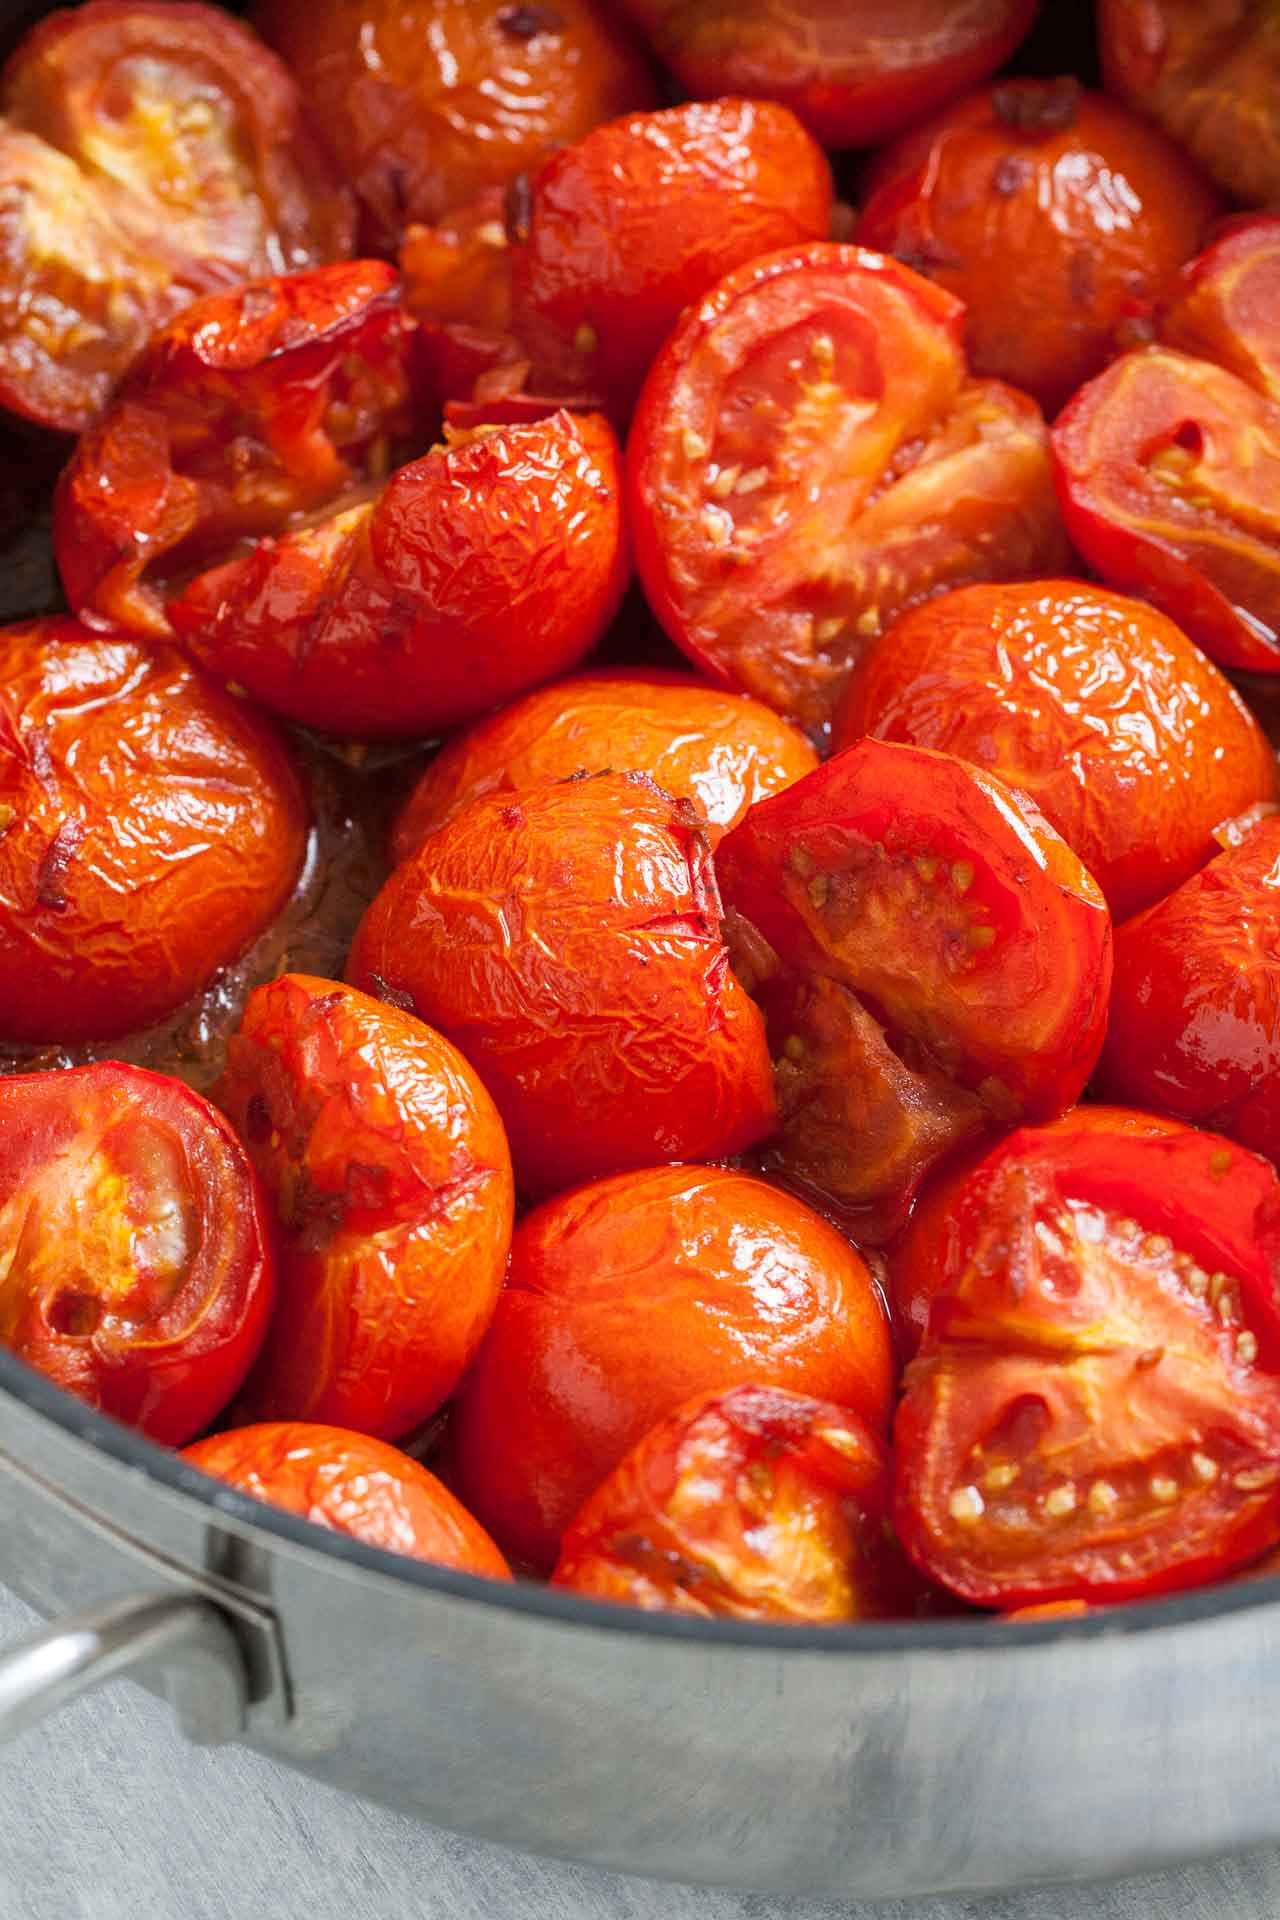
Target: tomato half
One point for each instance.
(1223, 305)
(135, 1244)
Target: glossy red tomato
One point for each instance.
(1132, 743)
(933, 960)
(392, 1186)
(351, 1484)
(1054, 214)
(855, 75)
(1095, 1412)
(567, 940)
(490, 565)
(423, 105)
(719, 750)
(151, 150)
(150, 827)
(136, 1263)
(628, 1297)
(753, 1504)
(808, 459)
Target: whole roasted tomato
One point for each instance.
(626, 1298)
(808, 459)
(1132, 743)
(567, 940)
(855, 75)
(425, 103)
(135, 1250)
(755, 1504)
(150, 827)
(150, 151)
(719, 750)
(933, 961)
(351, 1484)
(488, 566)
(1053, 214)
(1095, 1412)
(392, 1186)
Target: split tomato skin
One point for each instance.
(627, 1298)
(1130, 742)
(352, 1484)
(754, 1504)
(479, 571)
(567, 940)
(135, 1244)
(391, 1180)
(153, 826)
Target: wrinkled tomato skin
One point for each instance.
(718, 750)
(808, 459)
(352, 1484)
(1195, 1008)
(252, 407)
(854, 75)
(1053, 213)
(626, 1298)
(749, 1505)
(423, 107)
(1130, 742)
(135, 1244)
(152, 827)
(391, 1180)
(1094, 1413)
(567, 940)
(152, 150)
(478, 572)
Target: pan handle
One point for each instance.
(190, 1637)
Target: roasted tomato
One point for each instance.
(755, 1504)
(478, 571)
(151, 150)
(719, 750)
(1209, 72)
(425, 103)
(1094, 1413)
(855, 75)
(392, 1185)
(1132, 743)
(1051, 212)
(628, 1297)
(933, 961)
(251, 408)
(808, 459)
(457, 286)
(136, 1267)
(351, 1484)
(567, 939)
(150, 827)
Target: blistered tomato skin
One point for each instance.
(423, 106)
(855, 76)
(150, 152)
(1131, 743)
(352, 1484)
(808, 459)
(135, 1244)
(1095, 1411)
(1053, 213)
(150, 827)
(567, 940)
(391, 1179)
(624, 1300)
(750, 1505)
(478, 572)
(719, 750)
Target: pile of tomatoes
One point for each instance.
(794, 1140)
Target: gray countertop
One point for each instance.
(107, 1814)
